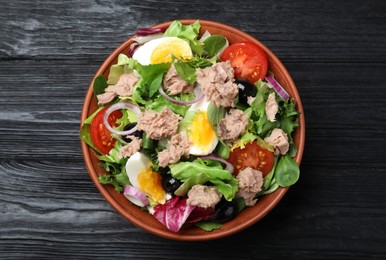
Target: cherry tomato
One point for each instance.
(252, 155)
(247, 59)
(100, 136)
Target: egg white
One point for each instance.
(195, 149)
(144, 52)
(134, 165)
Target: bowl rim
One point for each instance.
(216, 234)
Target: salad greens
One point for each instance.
(191, 170)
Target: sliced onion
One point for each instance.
(180, 102)
(149, 31)
(228, 165)
(136, 196)
(133, 47)
(119, 106)
(277, 87)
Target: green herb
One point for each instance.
(287, 171)
(213, 44)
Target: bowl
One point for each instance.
(248, 216)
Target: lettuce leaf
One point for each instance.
(222, 179)
(188, 33)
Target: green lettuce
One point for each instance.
(187, 32)
(222, 179)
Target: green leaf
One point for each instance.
(100, 84)
(287, 171)
(223, 149)
(268, 178)
(186, 71)
(174, 29)
(214, 43)
(198, 178)
(154, 85)
(208, 225)
(215, 114)
(123, 65)
(187, 32)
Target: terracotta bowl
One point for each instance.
(247, 217)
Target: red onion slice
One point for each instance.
(149, 31)
(133, 47)
(119, 106)
(228, 165)
(136, 196)
(277, 87)
(180, 102)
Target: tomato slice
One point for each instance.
(252, 155)
(247, 59)
(100, 136)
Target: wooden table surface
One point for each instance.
(336, 54)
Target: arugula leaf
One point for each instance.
(214, 43)
(186, 71)
(100, 84)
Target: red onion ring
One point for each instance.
(228, 165)
(133, 47)
(149, 31)
(136, 196)
(277, 87)
(180, 102)
(119, 106)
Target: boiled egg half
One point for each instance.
(142, 176)
(160, 51)
(200, 133)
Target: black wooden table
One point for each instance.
(336, 54)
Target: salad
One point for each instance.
(192, 128)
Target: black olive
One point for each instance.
(224, 210)
(137, 133)
(169, 184)
(246, 90)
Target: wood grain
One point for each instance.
(335, 52)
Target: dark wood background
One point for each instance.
(336, 53)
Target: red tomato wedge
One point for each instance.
(247, 59)
(100, 136)
(252, 155)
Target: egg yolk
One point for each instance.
(202, 133)
(149, 182)
(163, 52)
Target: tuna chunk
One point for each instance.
(217, 82)
(178, 146)
(232, 125)
(175, 84)
(124, 87)
(279, 140)
(159, 125)
(250, 183)
(271, 107)
(203, 196)
(130, 148)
